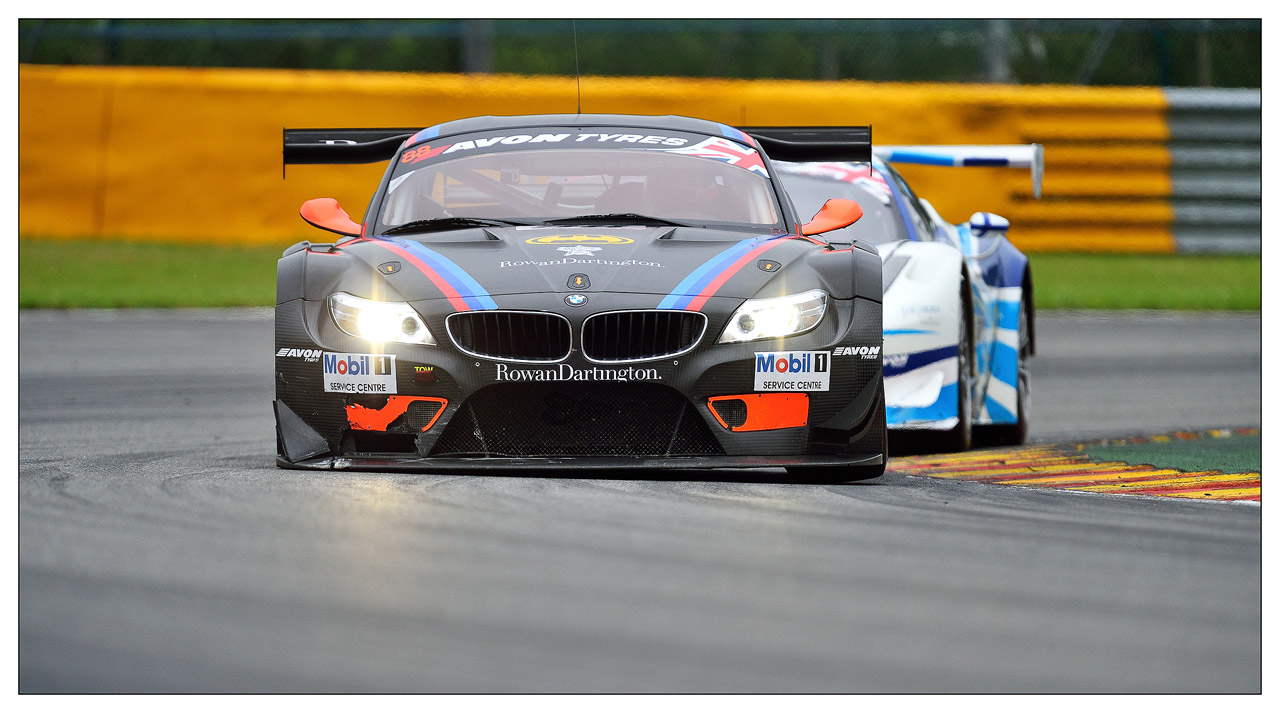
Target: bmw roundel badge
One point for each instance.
(575, 300)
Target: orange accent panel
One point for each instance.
(766, 412)
(835, 213)
(374, 419)
(327, 214)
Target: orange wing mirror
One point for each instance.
(326, 214)
(834, 214)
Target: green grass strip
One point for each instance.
(1173, 282)
(66, 274)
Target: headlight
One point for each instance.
(775, 317)
(378, 321)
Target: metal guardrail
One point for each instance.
(1215, 142)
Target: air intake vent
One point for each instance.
(732, 411)
(517, 336)
(641, 334)
(421, 414)
(566, 419)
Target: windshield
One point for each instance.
(810, 185)
(690, 179)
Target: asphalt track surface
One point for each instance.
(161, 550)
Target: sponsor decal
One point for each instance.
(730, 152)
(575, 300)
(793, 371)
(579, 281)
(570, 251)
(307, 354)
(895, 361)
(359, 373)
(567, 372)
(427, 151)
(864, 352)
(912, 309)
(421, 153)
(650, 139)
(577, 261)
(424, 374)
(561, 239)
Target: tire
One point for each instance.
(960, 437)
(1014, 434)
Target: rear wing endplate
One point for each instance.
(1010, 156)
(814, 143)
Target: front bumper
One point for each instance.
(446, 410)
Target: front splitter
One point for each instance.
(456, 465)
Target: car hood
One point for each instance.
(667, 261)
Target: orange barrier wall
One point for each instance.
(194, 154)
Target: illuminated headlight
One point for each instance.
(378, 321)
(775, 317)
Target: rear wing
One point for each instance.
(784, 143)
(1010, 156)
(814, 143)
(335, 146)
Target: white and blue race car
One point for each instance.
(959, 310)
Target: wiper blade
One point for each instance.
(614, 219)
(434, 224)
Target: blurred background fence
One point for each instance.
(1165, 53)
(130, 147)
(1215, 140)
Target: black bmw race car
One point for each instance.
(592, 291)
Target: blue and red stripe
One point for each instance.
(699, 286)
(460, 288)
(428, 133)
(737, 135)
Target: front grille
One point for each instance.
(641, 334)
(596, 419)
(519, 336)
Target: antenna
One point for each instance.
(576, 72)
